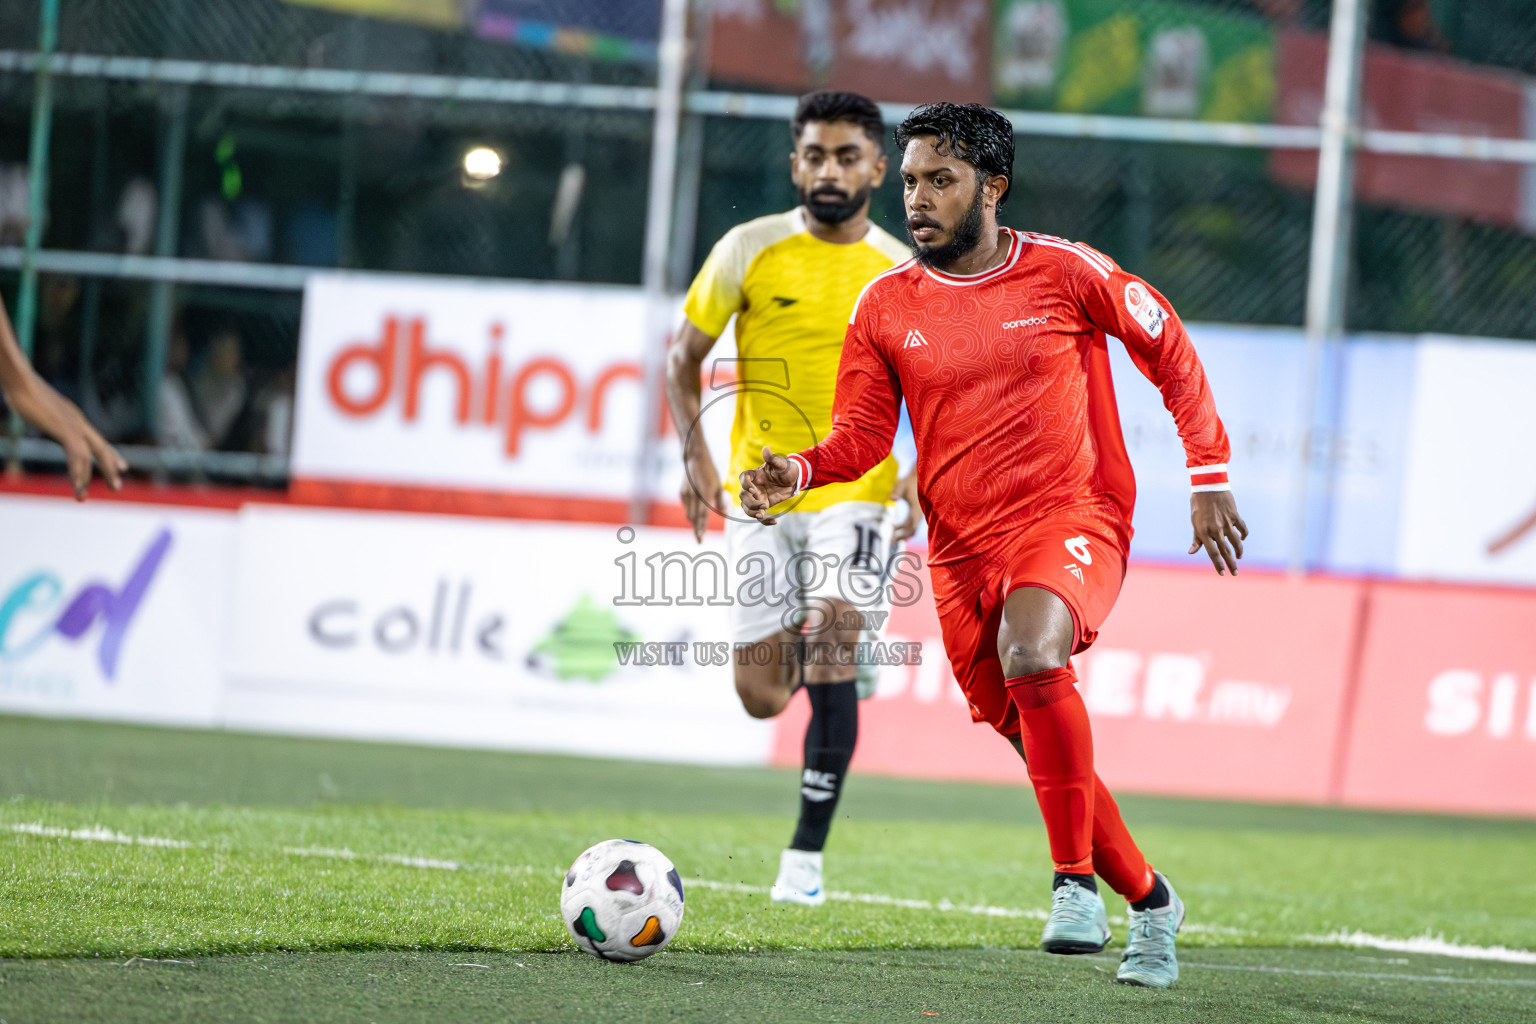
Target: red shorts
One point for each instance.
(1077, 559)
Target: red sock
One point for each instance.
(1058, 747)
(1116, 858)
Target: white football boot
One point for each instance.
(799, 879)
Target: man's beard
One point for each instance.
(835, 211)
(967, 235)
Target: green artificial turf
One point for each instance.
(938, 985)
(320, 880)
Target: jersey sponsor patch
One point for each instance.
(1144, 308)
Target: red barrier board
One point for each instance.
(1198, 686)
(1445, 718)
(1223, 687)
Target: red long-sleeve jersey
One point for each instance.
(1006, 377)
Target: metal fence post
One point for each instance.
(672, 57)
(37, 200)
(157, 331)
(1332, 219)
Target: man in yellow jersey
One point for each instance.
(813, 585)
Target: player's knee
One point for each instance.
(1022, 658)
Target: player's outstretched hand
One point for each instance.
(767, 485)
(59, 418)
(906, 490)
(1218, 528)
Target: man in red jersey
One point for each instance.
(996, 340)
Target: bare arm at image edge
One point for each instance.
(50, 412)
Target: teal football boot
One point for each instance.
(1150, 959)
(1078, 923)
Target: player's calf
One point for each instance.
(830, 738)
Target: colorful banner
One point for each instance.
(1417, 92)
(620, 30)
(1445, 719)
(113, 610)
(1158, 58)
(910, 51)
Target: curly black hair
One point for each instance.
(979, 135)
(829, 105)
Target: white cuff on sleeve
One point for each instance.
(802, 472)
(1209, 478)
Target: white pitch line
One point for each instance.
(95, 834)
(940, 906)
(387, 858)
(880, 899)
(1367, 975)
(1435, 945)
(1425, 944)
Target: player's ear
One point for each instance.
(995, 187)
(882, 162)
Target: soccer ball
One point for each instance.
(622, 900)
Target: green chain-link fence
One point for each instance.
(320, 173)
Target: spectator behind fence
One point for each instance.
(136, 212)
(54, 339)
(274, 407)
(176, 424)
(40, 405)
(218, 387)
(15, 204)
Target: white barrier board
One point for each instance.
(1469, 499)
(111, 610)
(474, 632)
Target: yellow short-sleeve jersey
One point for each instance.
(791, 294)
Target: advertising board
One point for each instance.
(1469, 499)
(474, 632)
(1356, 451)
(1445, 718)
(1418, 92)
(483, 397)
(1197, 686)
(1469, 495)
(465, 394)
(112, 610)
(899, 50)
(1161, 58)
